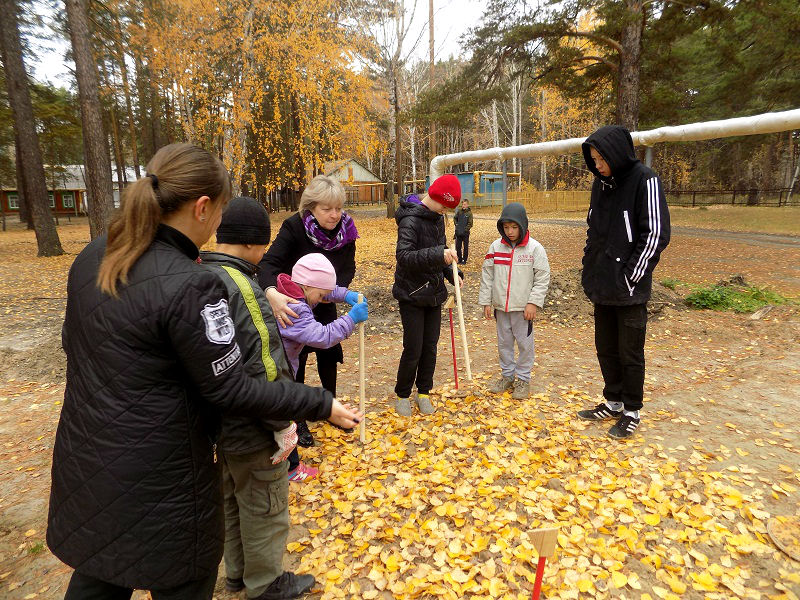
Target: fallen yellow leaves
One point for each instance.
(441, 507)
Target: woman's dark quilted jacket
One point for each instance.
(136, 494)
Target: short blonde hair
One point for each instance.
(324, 189)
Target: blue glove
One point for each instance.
(359, 312)
(352, 298)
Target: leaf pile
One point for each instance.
(441, 506)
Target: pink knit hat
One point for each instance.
(316, 271)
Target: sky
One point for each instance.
(452, 18)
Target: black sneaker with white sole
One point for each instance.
(624, 427)
(599, 413)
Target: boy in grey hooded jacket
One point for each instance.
(514, 282)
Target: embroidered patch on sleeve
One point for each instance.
(219, 325)
(221, 365)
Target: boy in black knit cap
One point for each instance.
(254, 451)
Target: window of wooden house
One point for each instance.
(13, 201)
(68, 200)
(52, 198)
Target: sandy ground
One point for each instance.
(719, 385)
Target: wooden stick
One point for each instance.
(453, 346)
(362, 427)
(461, 326)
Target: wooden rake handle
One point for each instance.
(362, 369)
(462, 329)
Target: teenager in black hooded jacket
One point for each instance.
(628, 229)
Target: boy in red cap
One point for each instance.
(423, 261)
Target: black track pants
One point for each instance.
(619, 335)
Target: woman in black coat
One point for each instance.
(320, 225)
(151, 358)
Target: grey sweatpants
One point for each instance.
(512, 326)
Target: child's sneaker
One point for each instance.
(403, 407)
(599, 413)
(522, 389)
(502, 384)
(302, 473)
(424, 404)
(624, 427)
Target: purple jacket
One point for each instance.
(305, 329)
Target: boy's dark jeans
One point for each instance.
(86, 587)
(462, 241)
(619, 335)
(421, 326)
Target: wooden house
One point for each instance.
(361, 185)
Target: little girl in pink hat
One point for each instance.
(313, 280)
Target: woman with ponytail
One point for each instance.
(152, 359)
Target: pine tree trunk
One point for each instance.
(127, 91)
(95, 143)
(30, 155)
(24, 213)
(299, 162)
(630, 65)
(155, 111)
(119, 160)
(148, 146)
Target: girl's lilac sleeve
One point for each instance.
(337, 295)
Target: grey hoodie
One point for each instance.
(514, 275)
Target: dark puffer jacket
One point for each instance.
(136, 494)
(628, 223)
(242, 435)
(420, 272)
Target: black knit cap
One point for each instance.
(245, 221)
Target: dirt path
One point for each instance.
(721, 407)
(750, 238)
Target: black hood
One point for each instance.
(615, 144)
(514, 212)
(412, 209)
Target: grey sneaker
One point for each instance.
(522, 390)
(403, 407)
(501, 384)
(424, 404)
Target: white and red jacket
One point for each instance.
(514, 276)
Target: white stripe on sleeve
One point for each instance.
(654, 221)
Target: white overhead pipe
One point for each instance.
(766, 123)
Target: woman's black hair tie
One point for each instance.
(154, 180)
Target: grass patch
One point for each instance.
(742, 299)
(671, 283)
(36, 548)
